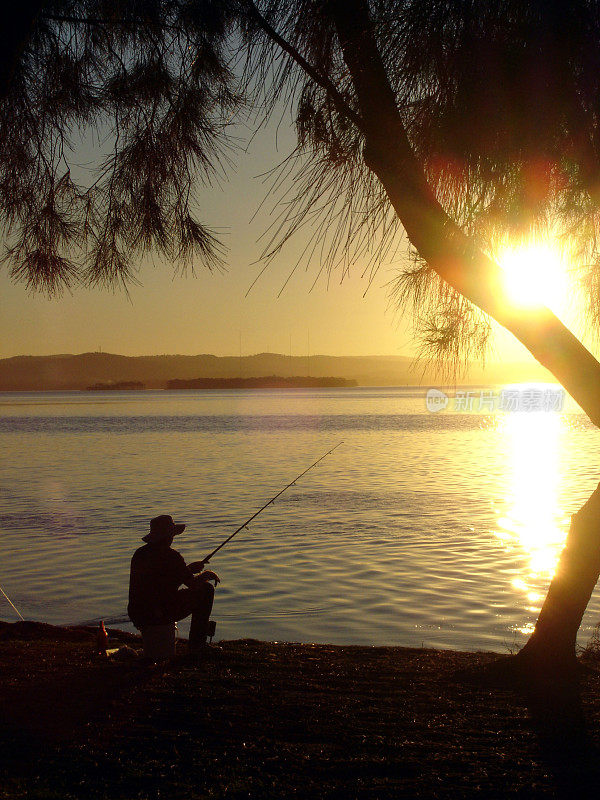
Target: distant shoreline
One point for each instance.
(119, 386)
(109, 372)
(267, 382)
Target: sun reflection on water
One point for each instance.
(532, 519)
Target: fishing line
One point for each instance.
(12, 604)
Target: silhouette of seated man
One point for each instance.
(157, 572)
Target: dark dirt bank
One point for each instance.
(266, 720)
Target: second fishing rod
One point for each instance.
(267, 504)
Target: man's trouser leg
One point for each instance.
(199, 602)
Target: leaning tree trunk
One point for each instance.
(456, 259)
(553, 640)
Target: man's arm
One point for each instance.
(197, 568)
(183, 571)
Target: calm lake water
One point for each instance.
(439, 529)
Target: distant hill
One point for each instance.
(36, 373)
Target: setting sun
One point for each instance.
(535, 275)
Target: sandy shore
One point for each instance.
(268, 720)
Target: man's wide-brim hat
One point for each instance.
(162, 528)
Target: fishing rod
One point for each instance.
(266, 505)
(12, 604)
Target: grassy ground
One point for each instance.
(264, 720)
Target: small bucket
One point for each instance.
(159, 641)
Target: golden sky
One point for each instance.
(210, 313)
(206, 313)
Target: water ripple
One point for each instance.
(239, 423)
(422, 529)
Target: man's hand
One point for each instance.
(209, 575)
(197, 566)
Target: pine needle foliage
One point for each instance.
(151, 80)
(500, 101)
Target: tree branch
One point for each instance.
(321, 80)
(15, 30)
(435, 236)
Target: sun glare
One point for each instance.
(535, 275)
(532, 519)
